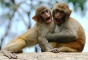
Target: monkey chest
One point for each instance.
(44, 30)
(57, 29)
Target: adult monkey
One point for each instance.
(69, 35)
(34, 35)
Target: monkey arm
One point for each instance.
(19, 43)
(67, 33)
(15, 45)
(64, 36)
(44, 45)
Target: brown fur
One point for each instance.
(77, 30)
(31, 37)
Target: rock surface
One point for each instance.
(48, 56)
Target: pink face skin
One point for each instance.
(46, 15)
(58, 15)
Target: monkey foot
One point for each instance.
(55, 50)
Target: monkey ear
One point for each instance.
(35, 18)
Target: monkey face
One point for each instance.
(58, 15)
(43, 14)
(61, 12)
(46, 15)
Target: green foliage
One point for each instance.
(4, 4)
(78, 3)
(56, 1)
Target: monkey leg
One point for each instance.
(67, 49)
(44, 45)
(63, 49)
(15, 45)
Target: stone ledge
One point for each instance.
(48, 56)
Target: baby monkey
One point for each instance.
(35, 35)
(45, 25)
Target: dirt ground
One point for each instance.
(48, 56)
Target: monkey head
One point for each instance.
(61, 12)
(43, 14)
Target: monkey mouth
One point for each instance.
(57, 21)
(48, 20)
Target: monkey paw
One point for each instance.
(9, 54)
(55, 50)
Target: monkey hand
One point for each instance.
(55, 50)
(9, 54)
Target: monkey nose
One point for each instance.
(46, 14)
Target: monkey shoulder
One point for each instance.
(72, 23)
(76, 24)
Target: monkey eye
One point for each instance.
(61, 12)
(46, 10)
(56, 11)
(42, 12)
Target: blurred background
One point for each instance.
(16, 18)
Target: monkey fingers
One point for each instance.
(55, 50)
(9, 54)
